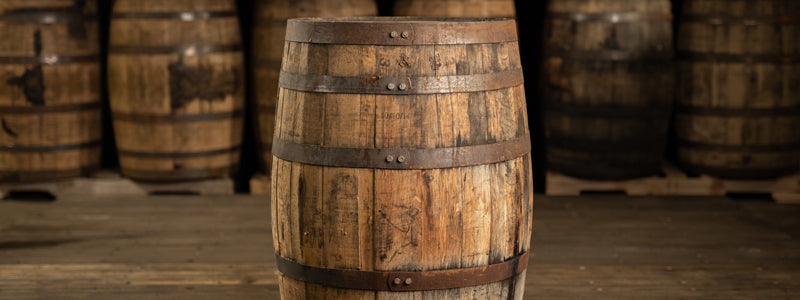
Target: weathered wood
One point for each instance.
(739, 105)
(455, 8)
(423, 219)
(608, 87)
(176, 83)
(599, 247)
(269, 28)
(50, 111)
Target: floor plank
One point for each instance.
(590, 247)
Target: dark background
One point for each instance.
(530, 15)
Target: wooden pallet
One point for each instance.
(675, 182)
(259, 184)
(110, 184)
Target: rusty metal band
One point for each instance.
(792, 111)
(653, 143)
(610, 55)
(42, 175)
(743, 173)
(412, 159)
(181, 174)
(153, 119)
(186, 50)
(57, 148)
(14, 110)
(715, 19)
(610, 111)
(794, 147)
(47, 16)
(400, 31)
(176, 15)
(611, 17)
(739, 58)
(178, 155)
(404, 281)
(401, 85)
(49, 59)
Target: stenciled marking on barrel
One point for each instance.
(190, 83)
(32, 81)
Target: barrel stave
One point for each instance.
(455, 8)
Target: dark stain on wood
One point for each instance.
(7, 129)
(190, 83)
(33, 244)
(32, 81)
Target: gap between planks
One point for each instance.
(674, 182)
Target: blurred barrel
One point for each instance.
(50, 109)
(608, 87)
(267, 51)
(455, 8)
(176, 83)
(402, 165)
(738, 111)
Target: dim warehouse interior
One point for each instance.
(651, 150)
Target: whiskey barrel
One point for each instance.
(50, 110)
(268, 33)
(455, 8)
(739, 102)
(402, 164)
(608, 87)
(176, 83)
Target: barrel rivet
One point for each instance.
(390, 86)
(389, 158)
(403, 86)
(405, 34)
(401, 159)
(393, 34)
(408, 281)
(397, 281)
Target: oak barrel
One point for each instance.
(738, 111)
(176, 83)
(455, 8)
(608, 84)
(402, 166)
(50, 109)
(268, 32)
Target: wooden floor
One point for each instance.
(598, 247)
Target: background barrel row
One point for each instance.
(735, 97)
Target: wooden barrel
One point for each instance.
(268, 32)
(402, 166)
(50, 110)
(738, 111)
(608, 85)
(176, 83)
(455, 8)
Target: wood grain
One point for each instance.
(455, 8)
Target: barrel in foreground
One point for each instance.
(176, 83)
(402, 163)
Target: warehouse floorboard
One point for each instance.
(591, 247)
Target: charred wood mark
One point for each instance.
(32, 81)
(188, 83)
(7, 129)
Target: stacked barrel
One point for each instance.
(738, 109)
(177, 86)
(268, 48)
(608, 87)
(50, 109)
